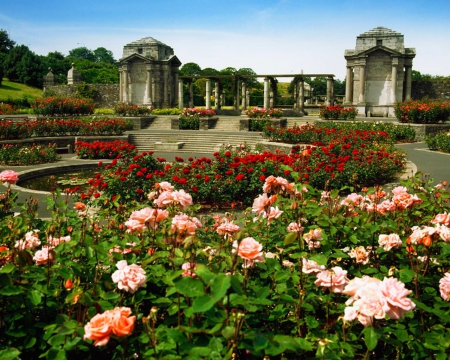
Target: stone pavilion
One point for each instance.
(149, 74)
(379, 72)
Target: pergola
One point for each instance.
(299, 89)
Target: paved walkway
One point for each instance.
(432, 163)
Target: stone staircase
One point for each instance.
(194, 141)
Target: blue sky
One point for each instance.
(271, 37)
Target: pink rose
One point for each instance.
(444, 232)
(294, 227)
(227, 229)
(311, 267)
(99, 329)
(30, 241)
(164, 186)
(249, 250)
(184, 226)
(335, 279)
(273, 213)
(129, 277)
(276, 185)
(9, 176)
(444, 287)
(122, 324)
(396, 294)
(262, 203)
(360, 254)
(389, 241)
(43, 256)
(441, 219)
(188, 267)
(182, 198)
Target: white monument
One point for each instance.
(379, 72)
(149, 74)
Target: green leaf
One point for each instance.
(220, 286)
(56, 340)
(290, 238)
(110, 296)
(370, 338)
(9, 354)
(202, 303)
(190, 287)
(11, 290)
(7, 269)
(260, 341)
(228, 332)
(287, 342)
(35, 297)
(205, 274)
(236, 284)
(56, 354)
(319, 259)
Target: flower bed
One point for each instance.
(439, 141)
(359, 160)
(125, 109)
(10, 130)
(52, 106)
(337, 112)
(422, 112)
(261, 118)
(27, 155)
(304, 274)
(327, 131)
(6, 109)
(104, 149)
(190, 118)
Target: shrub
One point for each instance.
(125, 109)
(169, 111)
(337, 112)
(51, 106)
(6, 109)
(422, 112)
(440, 141)
(104, 149)
(190, 118)
(19, 155)
(257, 113)
(303, 274)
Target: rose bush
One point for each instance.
(86, 284)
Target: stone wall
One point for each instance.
(107, 94)
(433, 89)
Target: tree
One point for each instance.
(59, 64)
(104, 55)
(251, 83)
(23, 65)
(82, 53)
(209, 72)
(190, 69)
(6, 44)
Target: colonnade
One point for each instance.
(219, 99)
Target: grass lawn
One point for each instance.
(14, 90)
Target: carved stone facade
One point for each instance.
(149, 74)
(379, 72)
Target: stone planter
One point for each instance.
(204, 123)
(140, 122)
(244, 124)
(168, 146)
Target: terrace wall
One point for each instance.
(433, 89)
(107, 94)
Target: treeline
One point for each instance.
(18, 63)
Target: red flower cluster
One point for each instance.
(104, 149)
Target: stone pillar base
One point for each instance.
(361, 110)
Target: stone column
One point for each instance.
(330, 85)
(236, 96)
(166, 84)
(244, 97)
(266, 93)
(156, 89)
(247, 95)
(223, 98)
(216, 96)
(295, 96)
(362, 81)
(149, 85)
(208, 94)
(408, 73)
(394, 80)
(125, 84)
(349, 86)
(301, 97)
(191, 94)
(180, 94)
(121, 85)
(129, 88)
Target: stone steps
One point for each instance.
(195, 142)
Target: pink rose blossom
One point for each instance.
(182, 198)
(273, 213)
(294, 227)
(335, 279)
(129, 277)
(444, 232)
(442, 219)
(147, 217)
(164, 186)
(250, 250)
(262, 203)
(444, 287)
(56, 241)
(311, 267)
(396, 294)
(276, 185)
(30, 241)
(184, 226)
(399, 190)
(43, 256)
(360, 254)
(389, 241)
(227, 229)
(188, 267)
(9, 176)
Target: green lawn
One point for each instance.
(15, 90)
